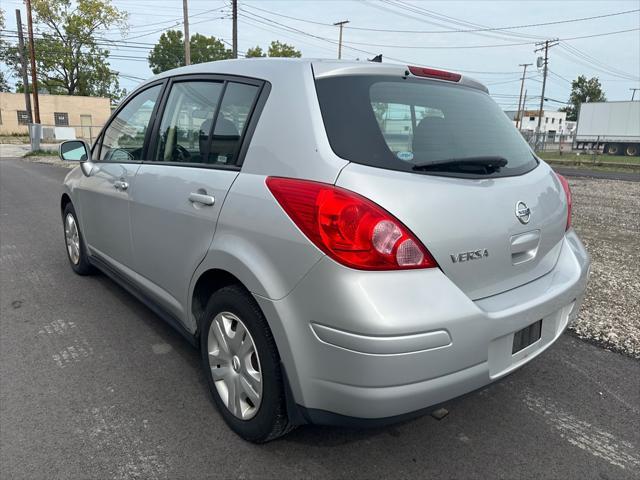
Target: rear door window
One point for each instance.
(397, 123)
(231, 122)
(187, 121)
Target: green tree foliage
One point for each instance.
(278, 49)
(69, 59)
(168, 53)
(255, 52)
(583, 90)
(4, 84)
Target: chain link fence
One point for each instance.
(57, 133)
(549, 141)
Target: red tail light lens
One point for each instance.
(349, 228)
(433, 73)
(567, 192)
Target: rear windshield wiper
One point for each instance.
(486, 165)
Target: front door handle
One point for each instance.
(201, 198)
(120, 185)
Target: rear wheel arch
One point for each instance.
(207, 284)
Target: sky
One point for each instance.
(493, 57)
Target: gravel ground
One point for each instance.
(605, 215)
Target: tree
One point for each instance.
(69, 58)
(168, 53)
(278, 49)
(582, 91)
(255, 52)
(4, 84)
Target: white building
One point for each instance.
(553, 123)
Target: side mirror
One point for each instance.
(75, 151)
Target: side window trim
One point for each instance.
(245, 127)
(207, 149)
(152, 120)
(264, 87)
(254, 116)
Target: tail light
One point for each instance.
(349, 228)
(433, 73)
(567, 192)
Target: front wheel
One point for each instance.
(632, 150)
(242, 366)
(76, 251)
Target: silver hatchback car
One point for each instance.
(349, 243)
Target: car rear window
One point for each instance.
(397, 123)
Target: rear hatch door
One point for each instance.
(490, 229)
(470, 225)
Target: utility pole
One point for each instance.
(524, 109)
(32, 52)
(23, 65)
(187, 42)
(234, 33)
(633, 93)
(547, 44)
(524, 74)
(341, 25)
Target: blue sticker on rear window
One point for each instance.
(406, 156)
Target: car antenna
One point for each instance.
(377, 58)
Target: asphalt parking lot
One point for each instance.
(94, 385)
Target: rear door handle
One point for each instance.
(120, 185)
(201, 198)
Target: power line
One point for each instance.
(588, 58)
(579, 61)
(559, 76)
(173, 21)
(514, 80)
(466, 24)
(278, 31)
(471, 30)
(494, 45)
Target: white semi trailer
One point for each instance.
(613, 127)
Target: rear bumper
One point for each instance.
(373, 345)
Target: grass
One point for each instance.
(42, 153)
(14, 139)
(586, 158)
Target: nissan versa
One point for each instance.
(349, 243)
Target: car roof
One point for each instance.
(271, 68)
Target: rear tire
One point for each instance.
(254, 379)
(613, 149)
(74, 242)
(632, 150)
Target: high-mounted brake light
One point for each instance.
(349, 228)
(567, 192)
(433, 73)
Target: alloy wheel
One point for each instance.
(72, 238)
